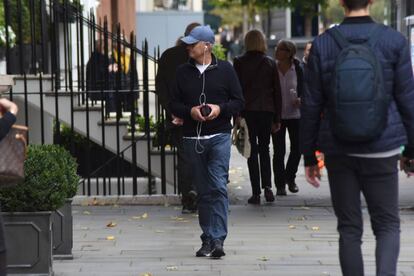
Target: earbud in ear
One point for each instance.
(205, 47)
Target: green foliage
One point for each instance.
(140, 123)
(50, 178)
(23, 12)
(219, 51)
(231, 16)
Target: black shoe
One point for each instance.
(205, 250)
(193, 195)
(293, 188)
(269, 196)
(254, 199)
(188, 210)
(217, 249)
(281, 192)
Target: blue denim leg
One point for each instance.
(210, 170)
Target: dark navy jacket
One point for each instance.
(222, 87)
(393, 52)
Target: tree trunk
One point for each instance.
(245, 20)
(308, 25)
(269, 23)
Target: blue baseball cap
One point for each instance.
(199, 33)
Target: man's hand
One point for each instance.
(404, 161)
(8, 106)
(196, 114)
(276, 127)
(313, 175)
(113, 67)
(177, 121)
(296, 103)
(215, 112)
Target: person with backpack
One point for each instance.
(261, 90)
(357, 108)
(290, 74)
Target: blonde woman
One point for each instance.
(261, 89)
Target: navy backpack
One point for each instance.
(358, 102)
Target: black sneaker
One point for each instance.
(192, 194)
(205, 250)
(188, 210)
(217, 249)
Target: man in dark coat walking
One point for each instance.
(167, 67)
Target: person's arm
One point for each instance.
(236, 99)
(9, 110)
(161, 83)
(311, 110)
(176, 105)
(404, 95)
(277, 99)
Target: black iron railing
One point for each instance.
(59, 52)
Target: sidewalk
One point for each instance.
(296, 235)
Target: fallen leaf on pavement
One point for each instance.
(172, 268)
(111, 224)
(144, 216)
(292, 227)
(297, 218)
(263, 259)
(315, 228)
(146, 274)
(110, 238)
(86, 212)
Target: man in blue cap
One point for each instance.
(206, 95)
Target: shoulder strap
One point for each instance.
(338, 37)
(375, 35)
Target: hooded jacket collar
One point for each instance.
(213, 64)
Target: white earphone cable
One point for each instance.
(199, 148)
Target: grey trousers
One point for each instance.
(377, 179)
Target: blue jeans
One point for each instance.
(210, 172)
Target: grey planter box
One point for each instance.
(29, 243)
(62, 228)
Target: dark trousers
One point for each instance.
(3, 259)
(259, 124)
(184, 171)
(377, 179)
(281, 173)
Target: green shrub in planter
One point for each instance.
(50, 178)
